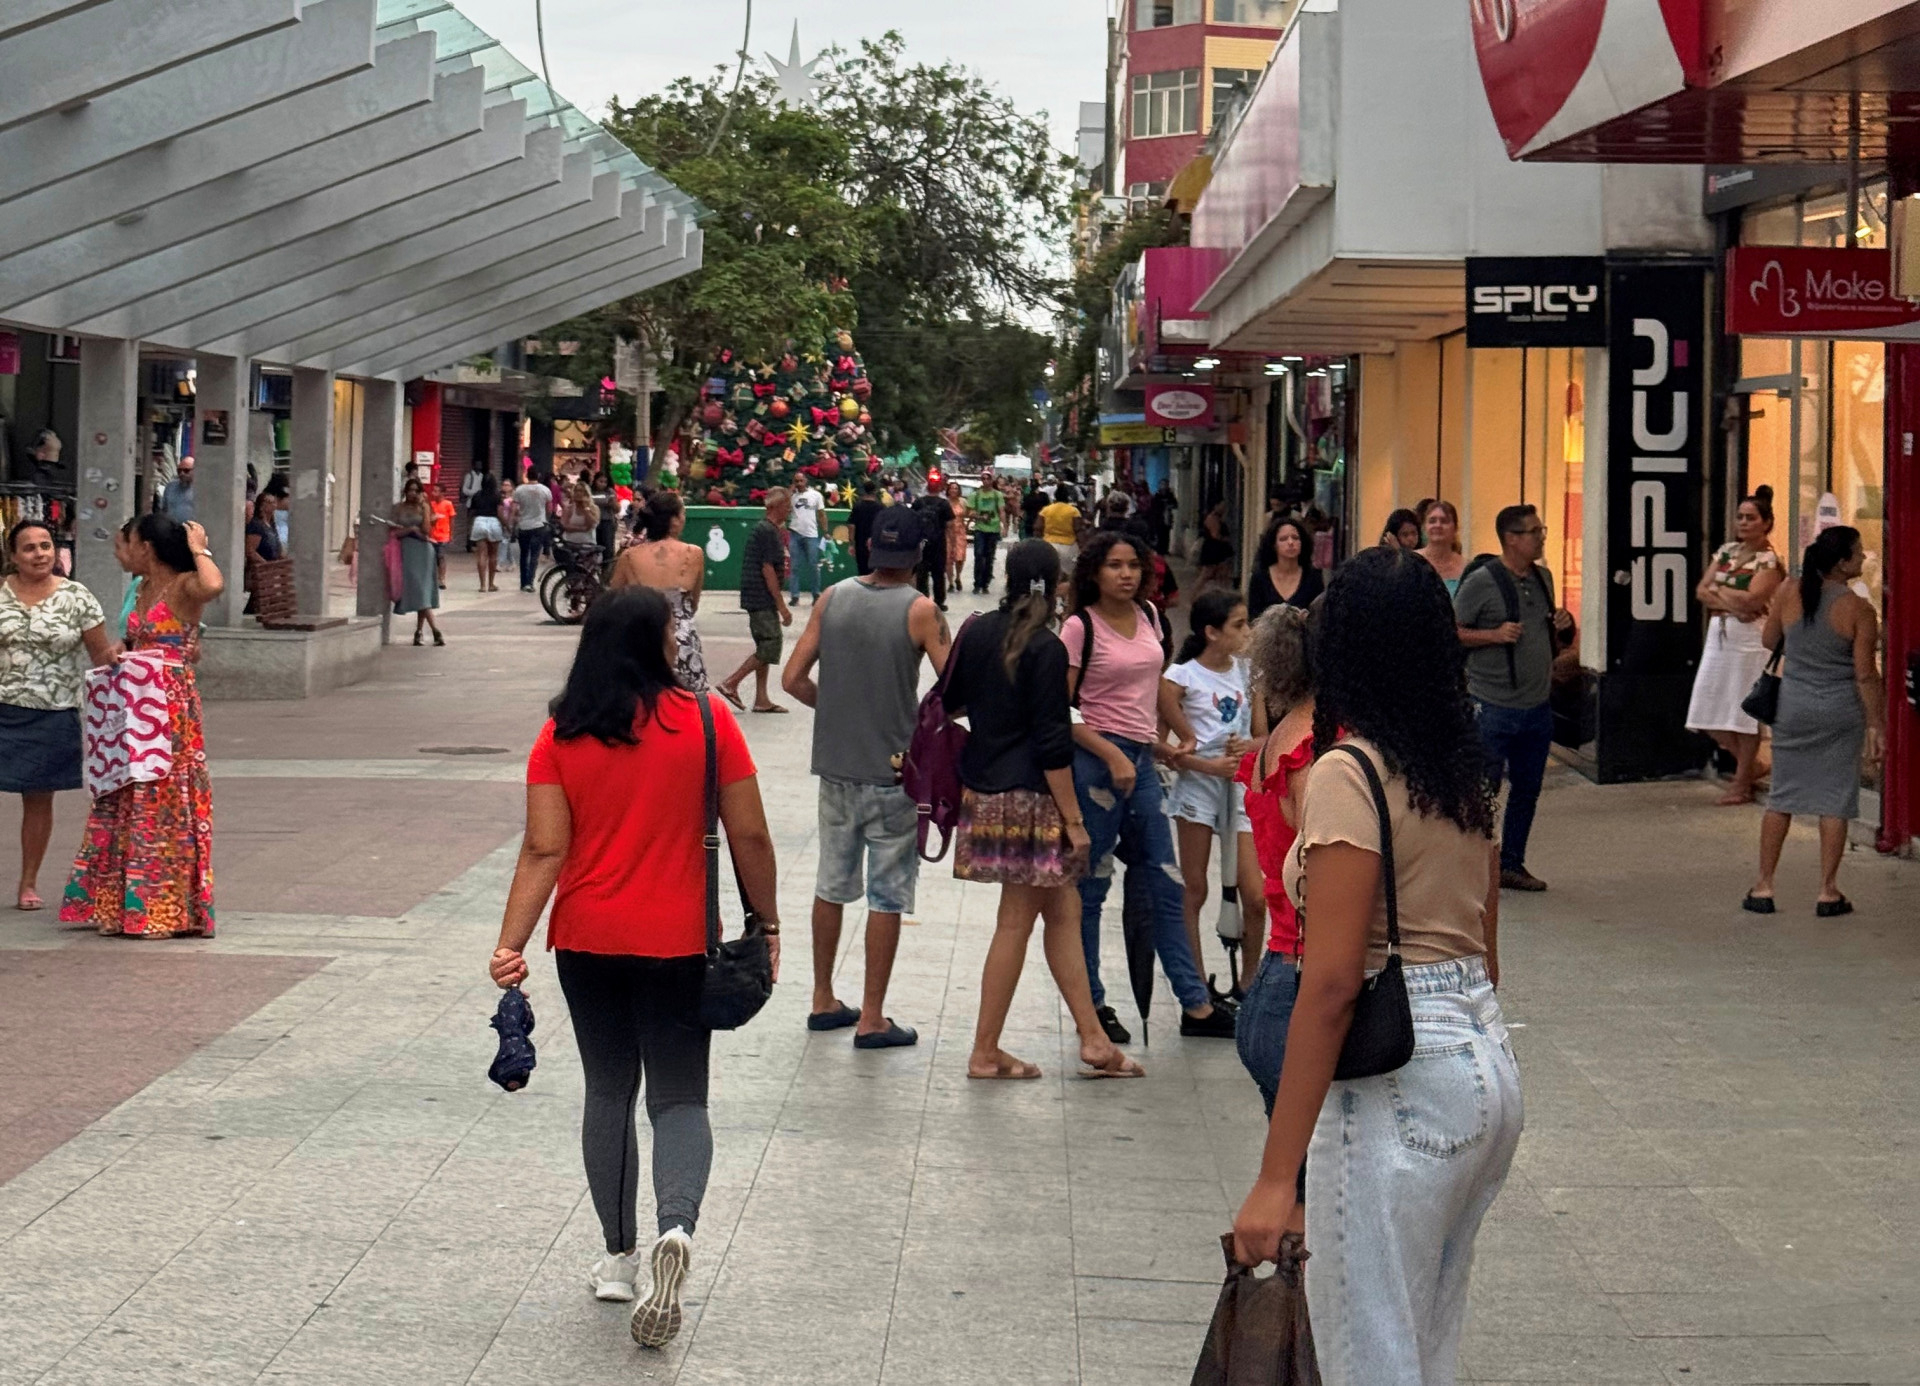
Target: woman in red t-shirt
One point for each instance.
(616, 820)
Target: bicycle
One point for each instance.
(571, 584)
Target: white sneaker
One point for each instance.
(612, 1277)
(657, 1317)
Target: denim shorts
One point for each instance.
(874, 824)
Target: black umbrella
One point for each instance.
(513, 1018)
(1136, 928)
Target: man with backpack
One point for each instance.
(866, 635)
(1512, 628)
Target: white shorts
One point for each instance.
(485, 530)
(1199, 798)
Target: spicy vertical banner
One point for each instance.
(1657, 430)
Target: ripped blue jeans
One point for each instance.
(1137, 824)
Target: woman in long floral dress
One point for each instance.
(145, 867)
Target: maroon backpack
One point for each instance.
(930, 770)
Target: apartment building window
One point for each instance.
(1231, 87)
(1166, 103)
(1262, 14)
(1164, 14)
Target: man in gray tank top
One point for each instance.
(867, 635)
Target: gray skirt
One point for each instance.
(39, 749)
(1817, 739)
(419, 577)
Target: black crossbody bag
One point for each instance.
(1762, 702)
(1380, 1039)
(739, 976)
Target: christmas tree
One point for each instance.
(761, 423)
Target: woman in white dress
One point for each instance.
(1735, 591)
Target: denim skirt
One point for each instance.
(39, 749)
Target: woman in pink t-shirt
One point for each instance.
(1114, 659)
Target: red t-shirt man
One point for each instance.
(635, 877)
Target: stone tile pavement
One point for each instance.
(309, 1179)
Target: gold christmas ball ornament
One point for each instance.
(849, 408)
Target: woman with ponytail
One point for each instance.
(1736, 591)
(1020, 823)
(1207, 690)
(1832, 718)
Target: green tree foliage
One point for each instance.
(1086, 312)
(781, 239)
(967, 202)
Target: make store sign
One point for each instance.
(1814, 291)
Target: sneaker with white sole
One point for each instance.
(612, 1277)
(656, 1319)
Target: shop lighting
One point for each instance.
(1206, 363)
(1316, 374)
(1275, 368)
(1293, 358)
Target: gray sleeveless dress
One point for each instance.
(1822, 724)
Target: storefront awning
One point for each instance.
(1698, 81)
(370, 186)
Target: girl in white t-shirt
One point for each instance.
(1207, 687)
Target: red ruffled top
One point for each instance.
(1273, 837)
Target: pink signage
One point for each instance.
(9, 353)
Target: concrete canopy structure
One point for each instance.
(358, 190)
(307, 185)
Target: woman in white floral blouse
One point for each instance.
(51, 629)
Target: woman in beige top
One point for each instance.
(1401, 1167)
(661, 560)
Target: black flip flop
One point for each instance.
(1757, 904)
(893, 1037)
(837, 1019)
(1828, 909)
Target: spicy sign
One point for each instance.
(1812, 291)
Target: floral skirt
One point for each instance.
(1015, 838)
(146, 862)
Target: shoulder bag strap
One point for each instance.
(713, 824)
(1086, 653)
(1387, 874)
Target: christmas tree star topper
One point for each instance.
(796, 79)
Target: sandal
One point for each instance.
(28, 900)
(1757, 904)
(1829, 909)
(770, 707)
(1005, 1066)
(1119, 1066)
(1734, 799)
(731, 696)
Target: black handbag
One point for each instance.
(1380, 1039)
(739, 975)
(1762, 702)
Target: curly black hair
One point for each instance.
(1389, 665)
(1268, 551)
(1086, 571)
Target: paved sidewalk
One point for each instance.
(274, 1156)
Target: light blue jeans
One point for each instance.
(1401, 1170)
(1137, 825)
(803, 553)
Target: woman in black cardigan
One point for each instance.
(1020, 824)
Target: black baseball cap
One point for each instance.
(896, 538)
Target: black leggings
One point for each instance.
(634, 1019)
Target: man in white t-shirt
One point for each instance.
(531, 502)
(803, 539)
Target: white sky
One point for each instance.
(1045, 54)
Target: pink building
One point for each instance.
(1183, 63)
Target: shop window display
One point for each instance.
(1816, 407)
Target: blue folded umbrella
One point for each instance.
(513, 1018)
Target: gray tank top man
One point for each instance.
(869, 683)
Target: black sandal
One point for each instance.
(1757, 904)
(1829, 909)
